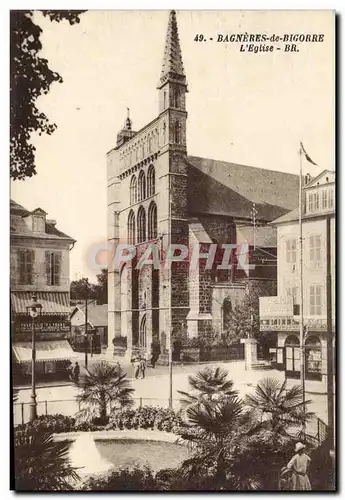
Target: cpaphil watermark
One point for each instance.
(226, 256)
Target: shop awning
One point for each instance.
(49, 350)
(52, 302)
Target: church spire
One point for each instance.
(172, 68)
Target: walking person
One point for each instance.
(142, 367)
(299, 465)
(76, 372)
(136, 365)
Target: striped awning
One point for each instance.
(52, 302)
(49, 350)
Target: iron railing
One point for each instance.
(316, 427)
(69, 407)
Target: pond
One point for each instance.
(127, 452)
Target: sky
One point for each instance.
(246, 108)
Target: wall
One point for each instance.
(289, 274)
(40, 246)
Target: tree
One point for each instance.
(241, 445)
(277, 410)
(243, 320)
(40, 463)
(82, 289)
(105, 384)
(30, 77)
(209, 384)
(101, 288)
(216, 431)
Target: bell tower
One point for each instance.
(173, 185)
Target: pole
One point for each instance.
(330, 372)
(33, 402)
(86, 339)
(302, 368)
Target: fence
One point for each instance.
(316, 428)
(69, 407)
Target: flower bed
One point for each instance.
(52, 423)
(146, 417)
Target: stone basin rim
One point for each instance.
(127, 434)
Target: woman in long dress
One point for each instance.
(299, 465)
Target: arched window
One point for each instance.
(142, 333)
(177, 132)
(177, 97)
(164, 133)
(141, 225)
(152, 221)
(131, 228)
(164, 100)
(151, 181)
(227, 310)
(133, 190)
(142, 186)
(172, 98)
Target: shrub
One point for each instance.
(192, 343)
(40, 463)
(120, 342)
(146, 417)
(50, 423)
(124, 479)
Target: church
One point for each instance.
(158, 194)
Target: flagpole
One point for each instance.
(302, 357)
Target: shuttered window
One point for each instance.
(26, 267)
(53, 268)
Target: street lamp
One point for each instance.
(34, 309)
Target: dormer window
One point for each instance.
(313, 202)
(37, 220)
(38, 224)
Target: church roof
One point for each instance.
(222, 188)
(172, 60)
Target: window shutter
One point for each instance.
(30, 266)
(48, 268)
(57, 268)
(20, 260)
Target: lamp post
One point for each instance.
(34, 309)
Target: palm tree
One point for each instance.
(208, 384)
(103, 385)
(276, 410)
(40, 464)
(214, 430)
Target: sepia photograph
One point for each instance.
(173, 250)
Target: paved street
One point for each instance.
(154, 389)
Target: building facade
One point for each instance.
(159, 194)
(39, 263)
(281, 314)
(97, 327)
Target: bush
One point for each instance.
(120, 342)
(50, 423)
(146, 417)
(124, 479)
(192, 343)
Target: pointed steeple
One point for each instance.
(172, 68)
